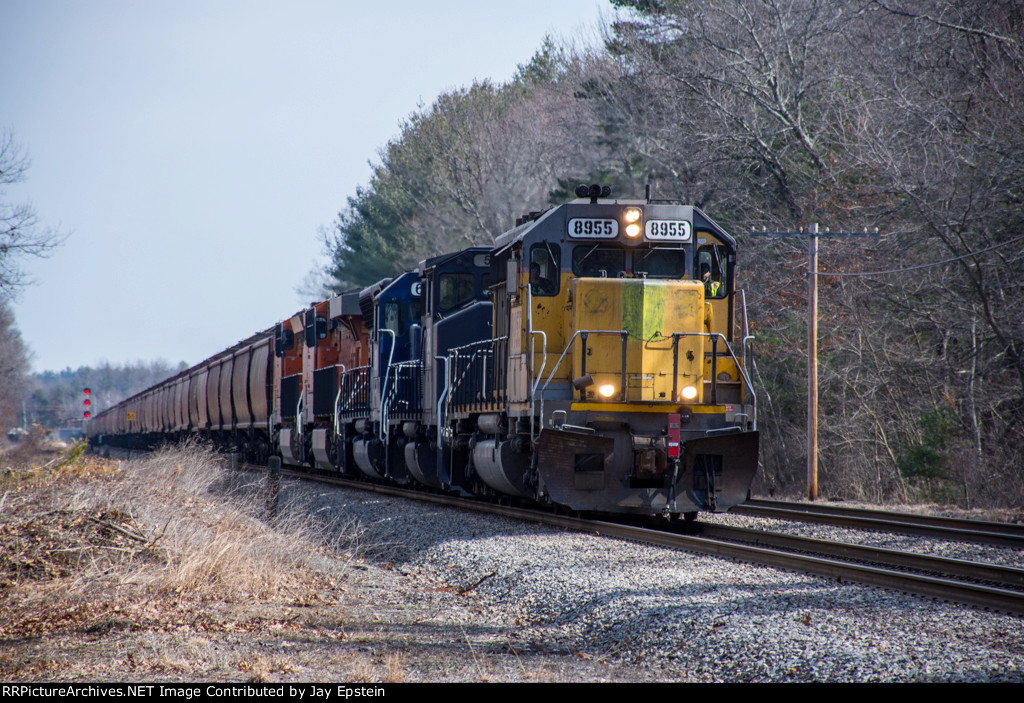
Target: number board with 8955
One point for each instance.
(670, 230)
(593, 228)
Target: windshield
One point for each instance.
(597, 261)
(660, 262)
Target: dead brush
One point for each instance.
(169, 549)
(198, 537)
(191, 467)
(237, 555)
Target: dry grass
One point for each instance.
(166, 568)
(178, 528)
(212, 542)
(93, 548)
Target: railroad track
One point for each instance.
(975, 531)
(981, 585)
(1006, 577)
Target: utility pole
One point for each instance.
(812, 366)
(811, 245)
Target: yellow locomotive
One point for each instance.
(616, 377)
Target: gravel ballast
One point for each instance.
(635, 612)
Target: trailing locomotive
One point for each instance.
(595, 357)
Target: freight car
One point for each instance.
(595, 357)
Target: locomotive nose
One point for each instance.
(632, 341)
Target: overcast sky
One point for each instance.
(193, 149)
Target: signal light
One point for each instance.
(87, 403)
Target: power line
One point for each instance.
(813, 235)
(924, 266)
(899, 270)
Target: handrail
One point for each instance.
(442, 428)
(465, 371)
(569, 344)
(743, 305)
(395, 386)
(382, 430)
(715, 336)
(337, 398)
(553, 370)
(479, 342)
(747, 354)
(543, 357)
(746, 327)
(534, 433)
(356, 387)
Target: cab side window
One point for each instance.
(545, 260)
(456, 288)
(712, 267)
(393, 317)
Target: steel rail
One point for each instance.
(1004, 576)
(945, 589)
(1007, 528)
(901, 523)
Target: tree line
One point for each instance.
(898, 114)
(22, 235)
(56, 397)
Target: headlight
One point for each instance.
(690, 392)
(606, 391)
(631, 218)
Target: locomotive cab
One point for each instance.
(457, 318)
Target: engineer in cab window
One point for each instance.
(538, 283)
(710, 287)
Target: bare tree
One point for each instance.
(492, 153)
(737, 104)
(14, 368)
(903, 114)
(953, 151)
(21, 233)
